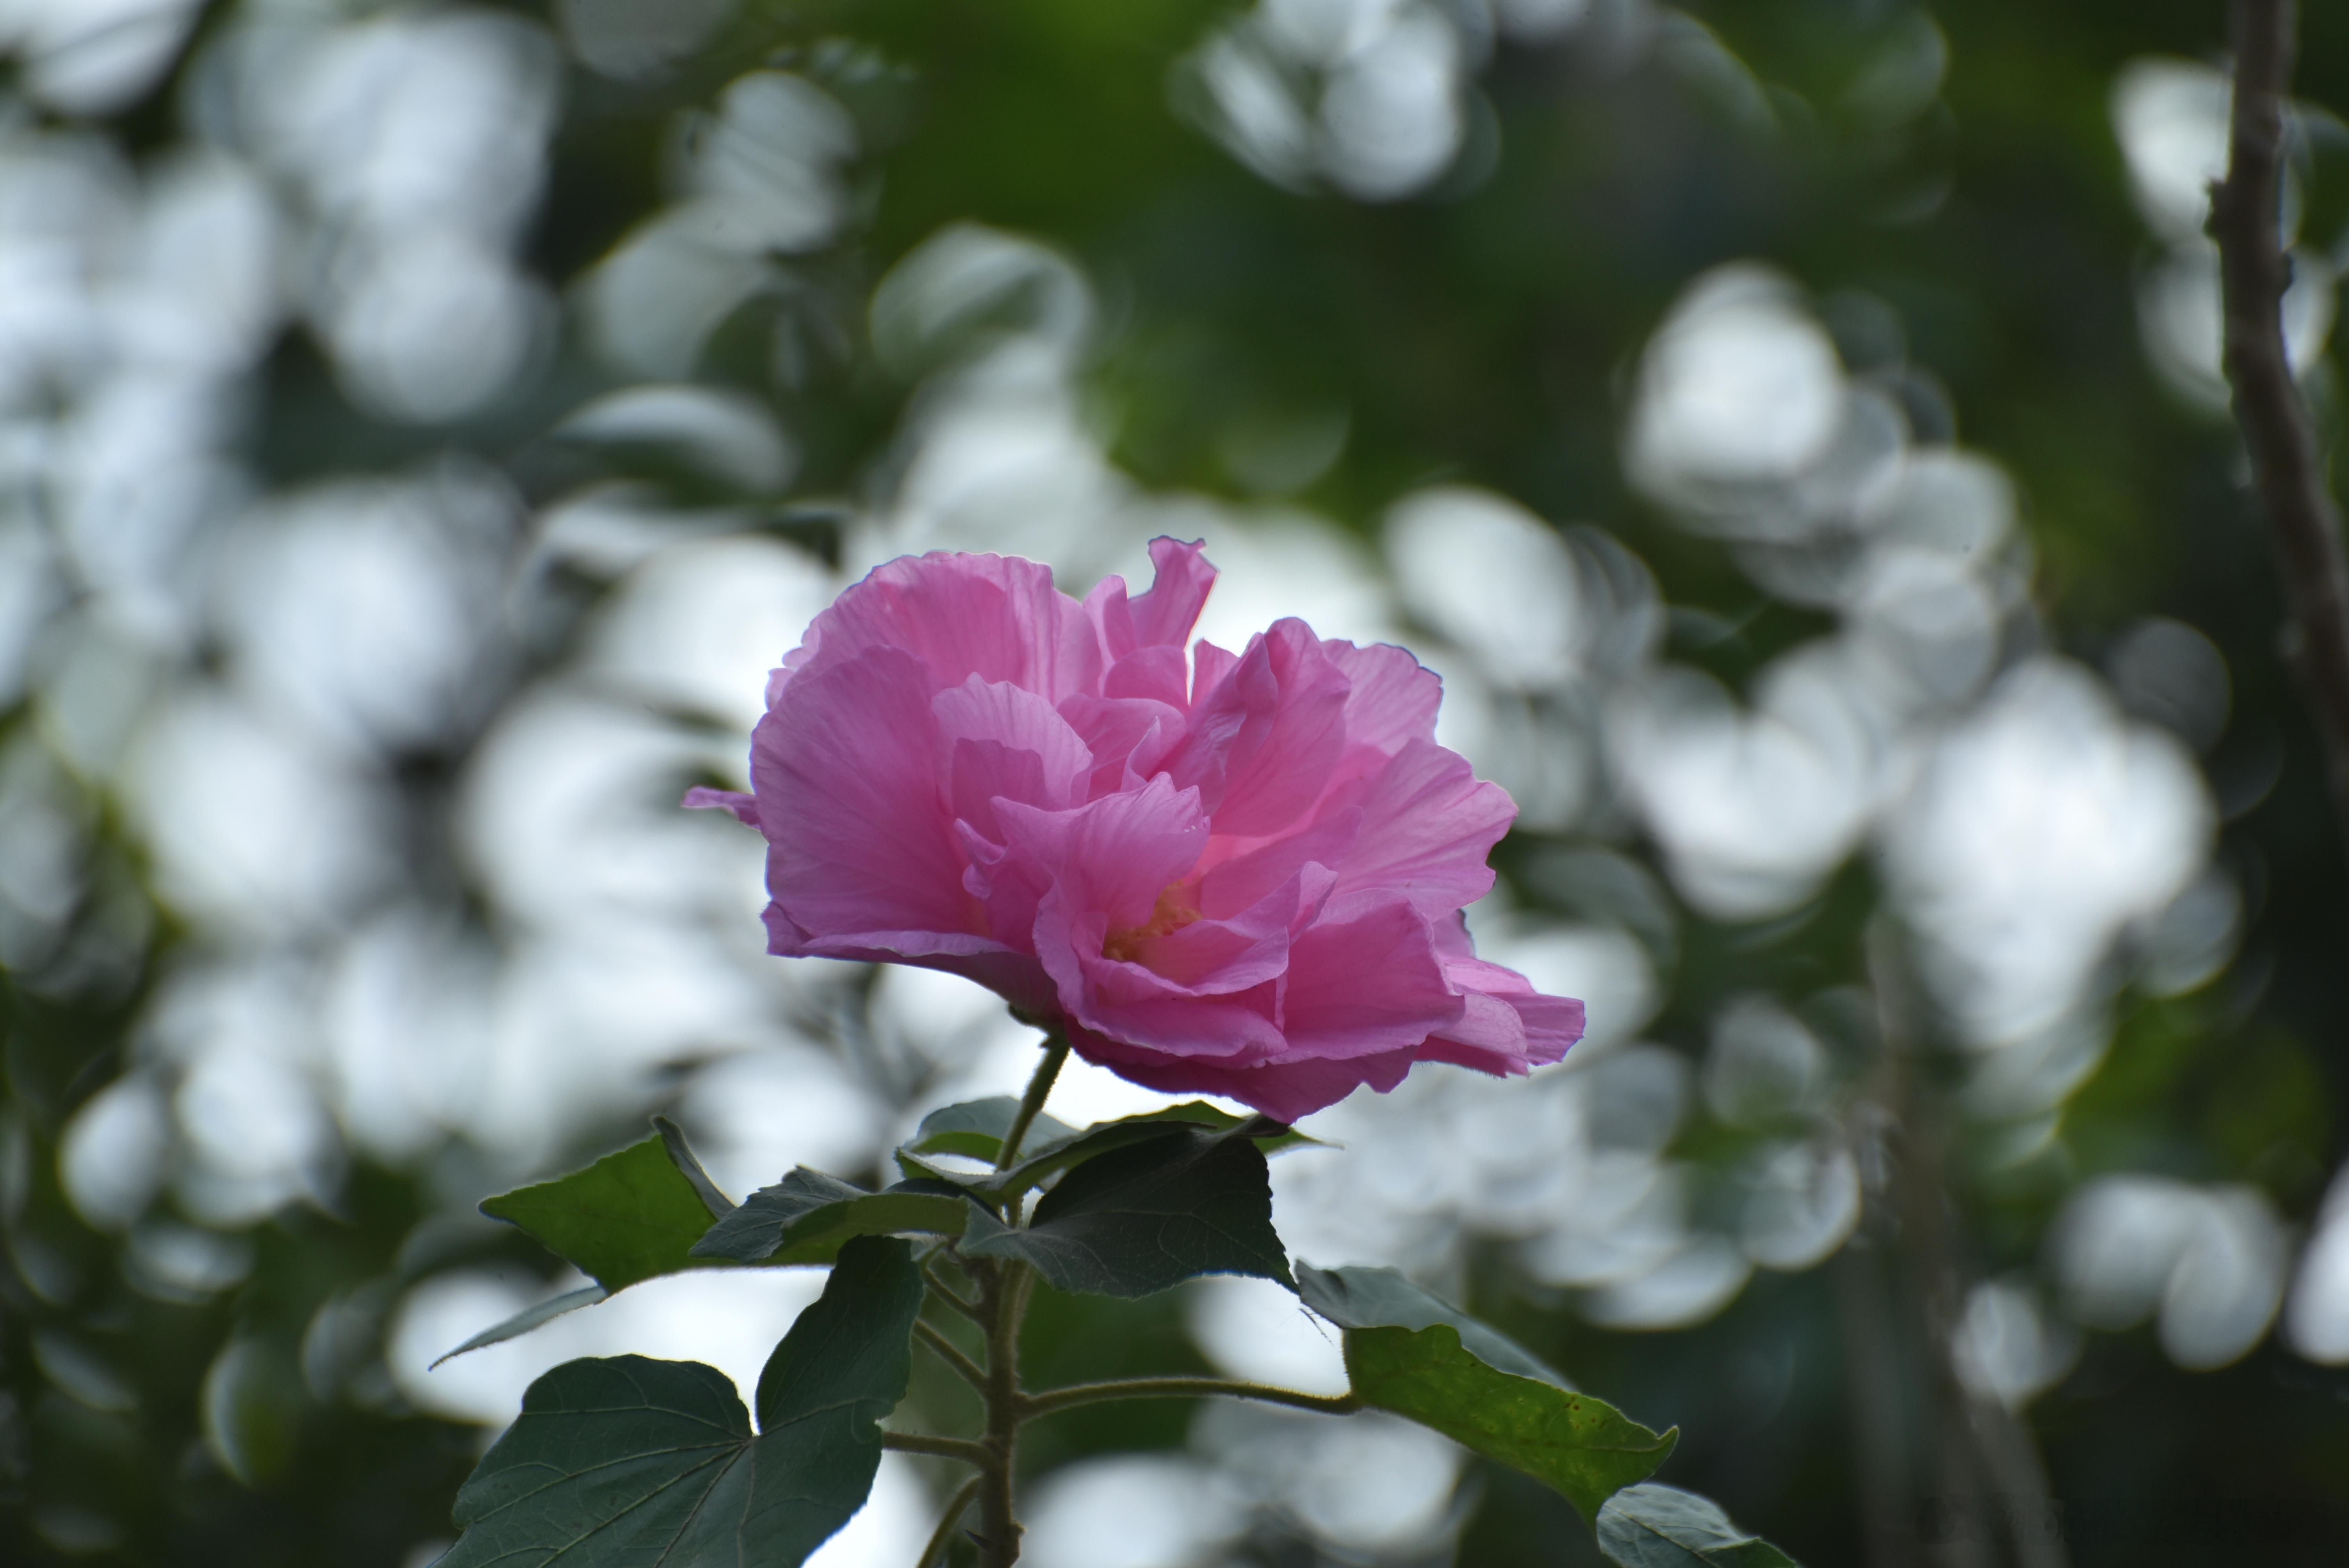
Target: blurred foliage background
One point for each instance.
(1791, 426)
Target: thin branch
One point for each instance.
(970, 1371)
(961, 1448)
(933, 1555)
(1056, 1051)
(951, 1297)
(1054, 1401)
(1980, 1440)
(2246, 219)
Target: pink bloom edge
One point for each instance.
(1231, 874)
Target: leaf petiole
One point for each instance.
(945, 1292)
(934, 1554)
(1055, 1400)
(947, 1351)
(963, 1448)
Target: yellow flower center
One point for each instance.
(1171, 913)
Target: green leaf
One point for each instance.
(1383, 1298)
(1144, 1218)
(977, 1129)
(1582, 1447)
(1053, 1158)
(628, 1217)
(522, 1322)
(1270, 1135)
(609, 1459)
(652, 1464)
(843, 1367)
(805, 1217)
(851, 1354)
(1653, 1526)
(681, 1154)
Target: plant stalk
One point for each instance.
(1983, 1449)
(1031, 1104)
(2287, 465)
(1003, 1297)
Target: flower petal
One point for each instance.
(1163, 616)
(1364, 978)
(1263, 742)
(745, 808)
(1128, 737)
(998, 617)
(1125, 1003)
(1210, 667)
(847, 775)
(1239, 882)
(1109, 856)
(1160, 673)
(1010, 743)
(1394, 696)
(1211, 958)
(1508, 1025)
(1287, 1093)
(1427, 826)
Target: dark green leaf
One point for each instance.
(977, 1129)
(1383, 1298)
(1068, 1147)
(611, 1461)
(1583, 1447)
(627, 1217)
(652, 1463)
(1272, 1136)
(825, 1393)
(805, 1217)
(522, 1322)
(1653, 1526)
(1062, 1154)
(851, 1353)
(1144, 1218)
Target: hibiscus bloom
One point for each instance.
(1240, 874)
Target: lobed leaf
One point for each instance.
(1383, 1298)
(843, 1367)
(652, 1464)
(628, 1217)
(1652, 1526)
(805, 1217)
(1145, 1217)
(1582, 1447)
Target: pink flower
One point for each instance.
(1237, 874)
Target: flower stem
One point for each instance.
(933, 1555)
(1056, 1051)
(1055, 1400)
